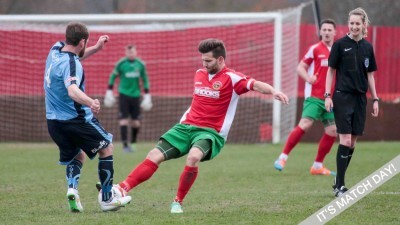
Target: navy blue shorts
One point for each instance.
(350, 112)
(129, 106)
(73, 136)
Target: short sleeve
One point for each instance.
(309, 56)
(244, 85)
(372, 63)
(334, 56)
(72, 73)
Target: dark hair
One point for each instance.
(129, 47)
(328, 21)
(215, 46)
(75, 32)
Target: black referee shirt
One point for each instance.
(352, 61)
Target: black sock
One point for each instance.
(342, 157)
(106, 176)
(73, 172)
(350, 155)
(134, 133)
(124, 135)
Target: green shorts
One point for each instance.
(314, 108)
(183, 136)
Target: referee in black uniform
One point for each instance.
(352, 59)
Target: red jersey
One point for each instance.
(215, 99)
(317, 59)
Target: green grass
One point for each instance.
(240, 186)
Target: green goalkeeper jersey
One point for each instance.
(129, 73)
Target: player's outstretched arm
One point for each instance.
(95, 48)
(265, 88)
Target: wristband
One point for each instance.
(375, 100)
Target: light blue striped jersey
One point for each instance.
(62, 70)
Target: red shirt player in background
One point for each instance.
(313, 69)
(204, 127)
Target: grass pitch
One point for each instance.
(240, 186)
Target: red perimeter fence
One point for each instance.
(15, 75)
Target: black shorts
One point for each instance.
(129, 106)
(72, 136)
(350, 112)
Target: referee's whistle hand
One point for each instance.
(375, 108)
(328, 104)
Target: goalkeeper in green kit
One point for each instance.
(130, 70)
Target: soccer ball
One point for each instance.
(116, 191)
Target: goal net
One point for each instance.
(261, 45)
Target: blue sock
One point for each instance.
(106, 175)
(73, 172)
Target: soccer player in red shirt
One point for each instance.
(313, 69)
(203, 128)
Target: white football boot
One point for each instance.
(117, 200)
(74, 202)
(115, 203)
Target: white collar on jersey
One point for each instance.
(210, 76)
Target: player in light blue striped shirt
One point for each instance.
(70, 119)
(63, 69)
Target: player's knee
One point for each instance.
(156, 156)
(345, 142)
(193, 160)
(331, 131)
(124, 122)
(305, 124)
(81, 157)
(353, 143)
(135, 123)
(194, 157)
(105, 152)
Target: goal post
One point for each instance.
(262, 45)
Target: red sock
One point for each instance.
(186, 181)
(141, 173)
(325, 145)
(294, 138)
